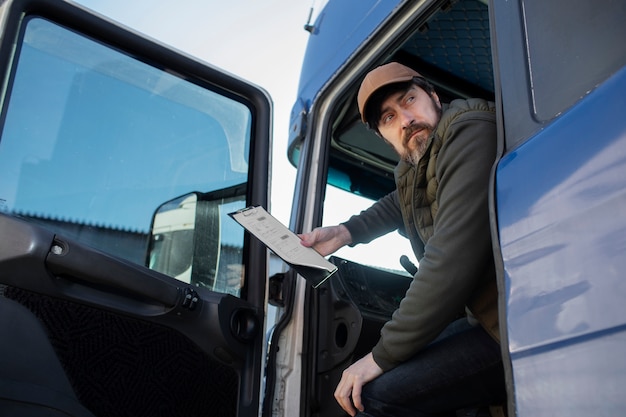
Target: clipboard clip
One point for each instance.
(248, 211)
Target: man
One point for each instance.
(433, 357)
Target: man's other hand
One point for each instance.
(348, 392)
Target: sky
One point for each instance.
(262, 42)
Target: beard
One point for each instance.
(412, 156)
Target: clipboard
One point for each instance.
(285, 244)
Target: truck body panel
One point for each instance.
(561, 231)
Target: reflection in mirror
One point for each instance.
(171, 237)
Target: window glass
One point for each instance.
(95, 141)
(583, 50)
(384, 252)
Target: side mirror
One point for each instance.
(192, 238)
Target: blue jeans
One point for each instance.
(461, 369)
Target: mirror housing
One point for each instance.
(187, 233)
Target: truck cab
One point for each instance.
(111, 144)
(557, 193)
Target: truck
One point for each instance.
(104, 131)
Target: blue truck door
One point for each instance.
(125, 287)
(560, 201)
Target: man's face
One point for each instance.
(407, 120)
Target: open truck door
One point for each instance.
(99, 128)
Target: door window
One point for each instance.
(96, 145)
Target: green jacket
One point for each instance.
(441, 205)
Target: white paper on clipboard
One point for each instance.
(285, 244)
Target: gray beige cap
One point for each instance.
(386, 74)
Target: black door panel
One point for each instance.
(31, 259)
(33, 382)
(122, 366)
(130, 344)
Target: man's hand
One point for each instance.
(352, 380)
(326, 240)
